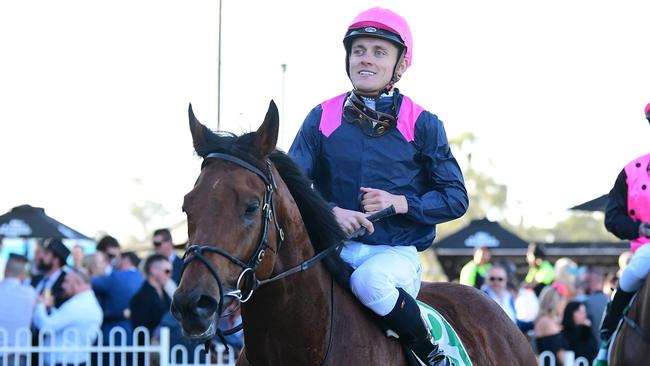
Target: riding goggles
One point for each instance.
(372, 123)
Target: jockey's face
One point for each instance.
(372, 61)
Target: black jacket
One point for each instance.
(57, 288)
(147, 307)
(617, 220)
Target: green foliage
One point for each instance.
(486, 195)
(576, 227)
(147, 213)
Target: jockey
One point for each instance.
(628, 217)
(371, 148)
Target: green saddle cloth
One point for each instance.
(445, 335)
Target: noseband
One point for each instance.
(241, 292)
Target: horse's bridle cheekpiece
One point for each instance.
(245, 285)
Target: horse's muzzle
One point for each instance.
(197, 314)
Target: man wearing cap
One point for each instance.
(627, 216)
(373, 147)
(52, 264)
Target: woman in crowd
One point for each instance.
(548, 329)
(577, 331)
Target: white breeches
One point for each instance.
(635, 273)
(379, 271)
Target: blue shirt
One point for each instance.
(116, 291)
(420, 167)
(15, 309)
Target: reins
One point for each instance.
(637, 328)
(389, 211)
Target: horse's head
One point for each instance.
(231, 224)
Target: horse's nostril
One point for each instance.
(206, 305)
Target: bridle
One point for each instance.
(245, 285)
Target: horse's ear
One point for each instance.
(199, 131)
(266, 136)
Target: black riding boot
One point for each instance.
(405, 320)
(614, 313)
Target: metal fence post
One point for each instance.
(165, 343)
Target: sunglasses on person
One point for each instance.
(498, 279)
(158, 243)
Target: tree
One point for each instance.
(485, 194)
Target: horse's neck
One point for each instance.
(291, 315)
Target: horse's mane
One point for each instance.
(324, 232)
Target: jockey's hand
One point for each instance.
(376, 200)
(350, 220)
(644, 229)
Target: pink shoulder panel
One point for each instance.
(408, 114)
(330, 119)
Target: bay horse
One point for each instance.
(632, 343)
(260, 234)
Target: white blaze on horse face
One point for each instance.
(216, 183)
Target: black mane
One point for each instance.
(324, 232)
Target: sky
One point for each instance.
(94, 94)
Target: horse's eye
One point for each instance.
(252, 208)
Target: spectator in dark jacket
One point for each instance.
(151, 302)
(52, 265)
(577, 331)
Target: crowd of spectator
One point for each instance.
(559, 305)
(62, 290)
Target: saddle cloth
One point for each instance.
(443, 334)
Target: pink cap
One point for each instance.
(647, 110)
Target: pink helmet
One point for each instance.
(380, 23)
(647, 110)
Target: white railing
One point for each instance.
(77, 348)
(548, 358)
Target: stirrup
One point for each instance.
(436, 357)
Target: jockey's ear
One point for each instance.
(400, 69)
(266, 136)
(199, 131)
